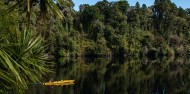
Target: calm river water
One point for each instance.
(119, 76)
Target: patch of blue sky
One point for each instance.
(182, 3)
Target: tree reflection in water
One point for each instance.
(119, 76)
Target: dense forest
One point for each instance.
(33, 32)
(118, 29)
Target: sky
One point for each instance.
(182, 3)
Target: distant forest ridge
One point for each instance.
(116, 28)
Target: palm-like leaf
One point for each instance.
(9, 63)
(22, 58)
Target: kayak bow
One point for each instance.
(59, 83)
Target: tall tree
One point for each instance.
(90, 14)
(161, 13)
(144, 17)
(122, 5)
(104, 8)
(182, 13)
(188, 10)
(133, 19)
(137, 7)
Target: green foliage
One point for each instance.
(182, 12)
(22, 58)
(105, 29)
(112, 27)
(90, 14)
(98, 48)
(96, 30)
(122, 5)
(133, 19)
(62, 53)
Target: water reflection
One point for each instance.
(119, 76)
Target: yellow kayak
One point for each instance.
(59, 83)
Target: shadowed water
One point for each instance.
(119, 76)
